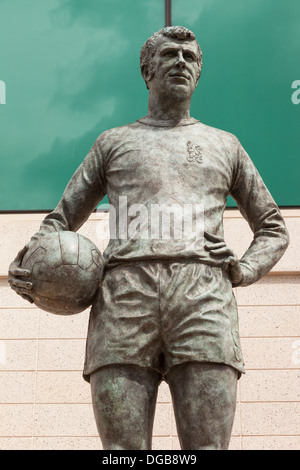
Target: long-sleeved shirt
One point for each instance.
(149, 165)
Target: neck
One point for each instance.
(168, 108)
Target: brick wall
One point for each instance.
(45, 403)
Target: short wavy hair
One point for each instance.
(175, 32)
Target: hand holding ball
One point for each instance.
(65, 271)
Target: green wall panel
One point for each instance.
(71, 70)
(251, 51)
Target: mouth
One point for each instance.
(179, 75)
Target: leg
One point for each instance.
(124, 399)
(204, 399)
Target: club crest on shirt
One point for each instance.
(194, 152)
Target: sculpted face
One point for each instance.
(175, 67)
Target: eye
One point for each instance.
(189, 57)
(169, 54)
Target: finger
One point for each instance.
(19, 290)
(14, 270)
(214, 246)
(213, 238)
(20, 283)
(223, 251)
(26, 297)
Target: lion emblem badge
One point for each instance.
(194, 152)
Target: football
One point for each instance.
(66, 270)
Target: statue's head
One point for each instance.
(164, 45)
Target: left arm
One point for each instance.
(270, 236)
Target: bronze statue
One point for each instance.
(165, 309)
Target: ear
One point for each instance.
(146, 73)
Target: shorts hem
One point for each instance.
(86, 374)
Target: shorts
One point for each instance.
(158, 314)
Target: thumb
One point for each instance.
(234, 270)
(18, 259)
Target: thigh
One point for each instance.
(199, 316)
(124, 399)
(124, 325)
(204, 400)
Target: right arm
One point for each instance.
(83, 193)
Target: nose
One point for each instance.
(180, 60)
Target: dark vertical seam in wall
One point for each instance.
(168, 12)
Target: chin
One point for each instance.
(180, 91)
